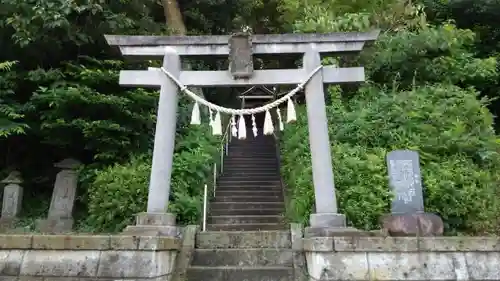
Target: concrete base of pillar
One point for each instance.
(7, 223)
(155, 219)
(327, 220)
(330, 225)
(154, 224)
(55, 225)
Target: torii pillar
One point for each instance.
(326, 220)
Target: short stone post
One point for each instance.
(60, 217)
(12, 199)
(156, 221)
(326, 216)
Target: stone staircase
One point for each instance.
(247, 238)
(249, 194)
(242, 255)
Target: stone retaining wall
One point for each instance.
(79, 257)
(404, 258)
(113, 258)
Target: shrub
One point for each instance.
(438, 120)
(359, 178)
(436, 54)
(449, 126)
(119, 192)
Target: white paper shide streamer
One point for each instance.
(280, 121)
(234, 130)
(291, 115)
(195, 115)
(254, 126)
(216, 125)
(268, 124)
(242, 128)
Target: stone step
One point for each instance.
(244, 181)
(256, 148)
(245, 205)
(253, 142)
(247, 212)
(260, 143)
(238, 171)
(238, 192)
(250, 155)
(251, 163)
(236, 219)
(235, 187)
(246, 227)
(243, 257)
(235, 172)
(226, 273)
(244, 187)
(251, 158)
(251, 169)
(252, 151)
(258, 198)
(248, 182)
(253, 146)
(250, 178)
(250, 136)
(246, 168)
(243, 239)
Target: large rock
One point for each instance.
(418, 224)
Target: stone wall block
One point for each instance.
(483, 265)
(10, 262)
(71, 242)
(16, 242)
(337, 266)
(375, 244)
(130, 264)
(54, 263)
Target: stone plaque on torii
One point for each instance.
(240, 49)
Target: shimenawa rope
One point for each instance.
(240, 132)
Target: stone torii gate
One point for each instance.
(240, 48)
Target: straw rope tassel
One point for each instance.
(268, 124)
(280, 121)
(254, 126)
(195, 114)
(291, 115)
(211, 114)
(217, 126)
(242, 128)
(234, 130)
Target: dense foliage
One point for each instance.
(433, 81)
(450, 128)
(120, 191)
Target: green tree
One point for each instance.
(426, 93)
(9, 110)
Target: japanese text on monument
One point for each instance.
(404, 179)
